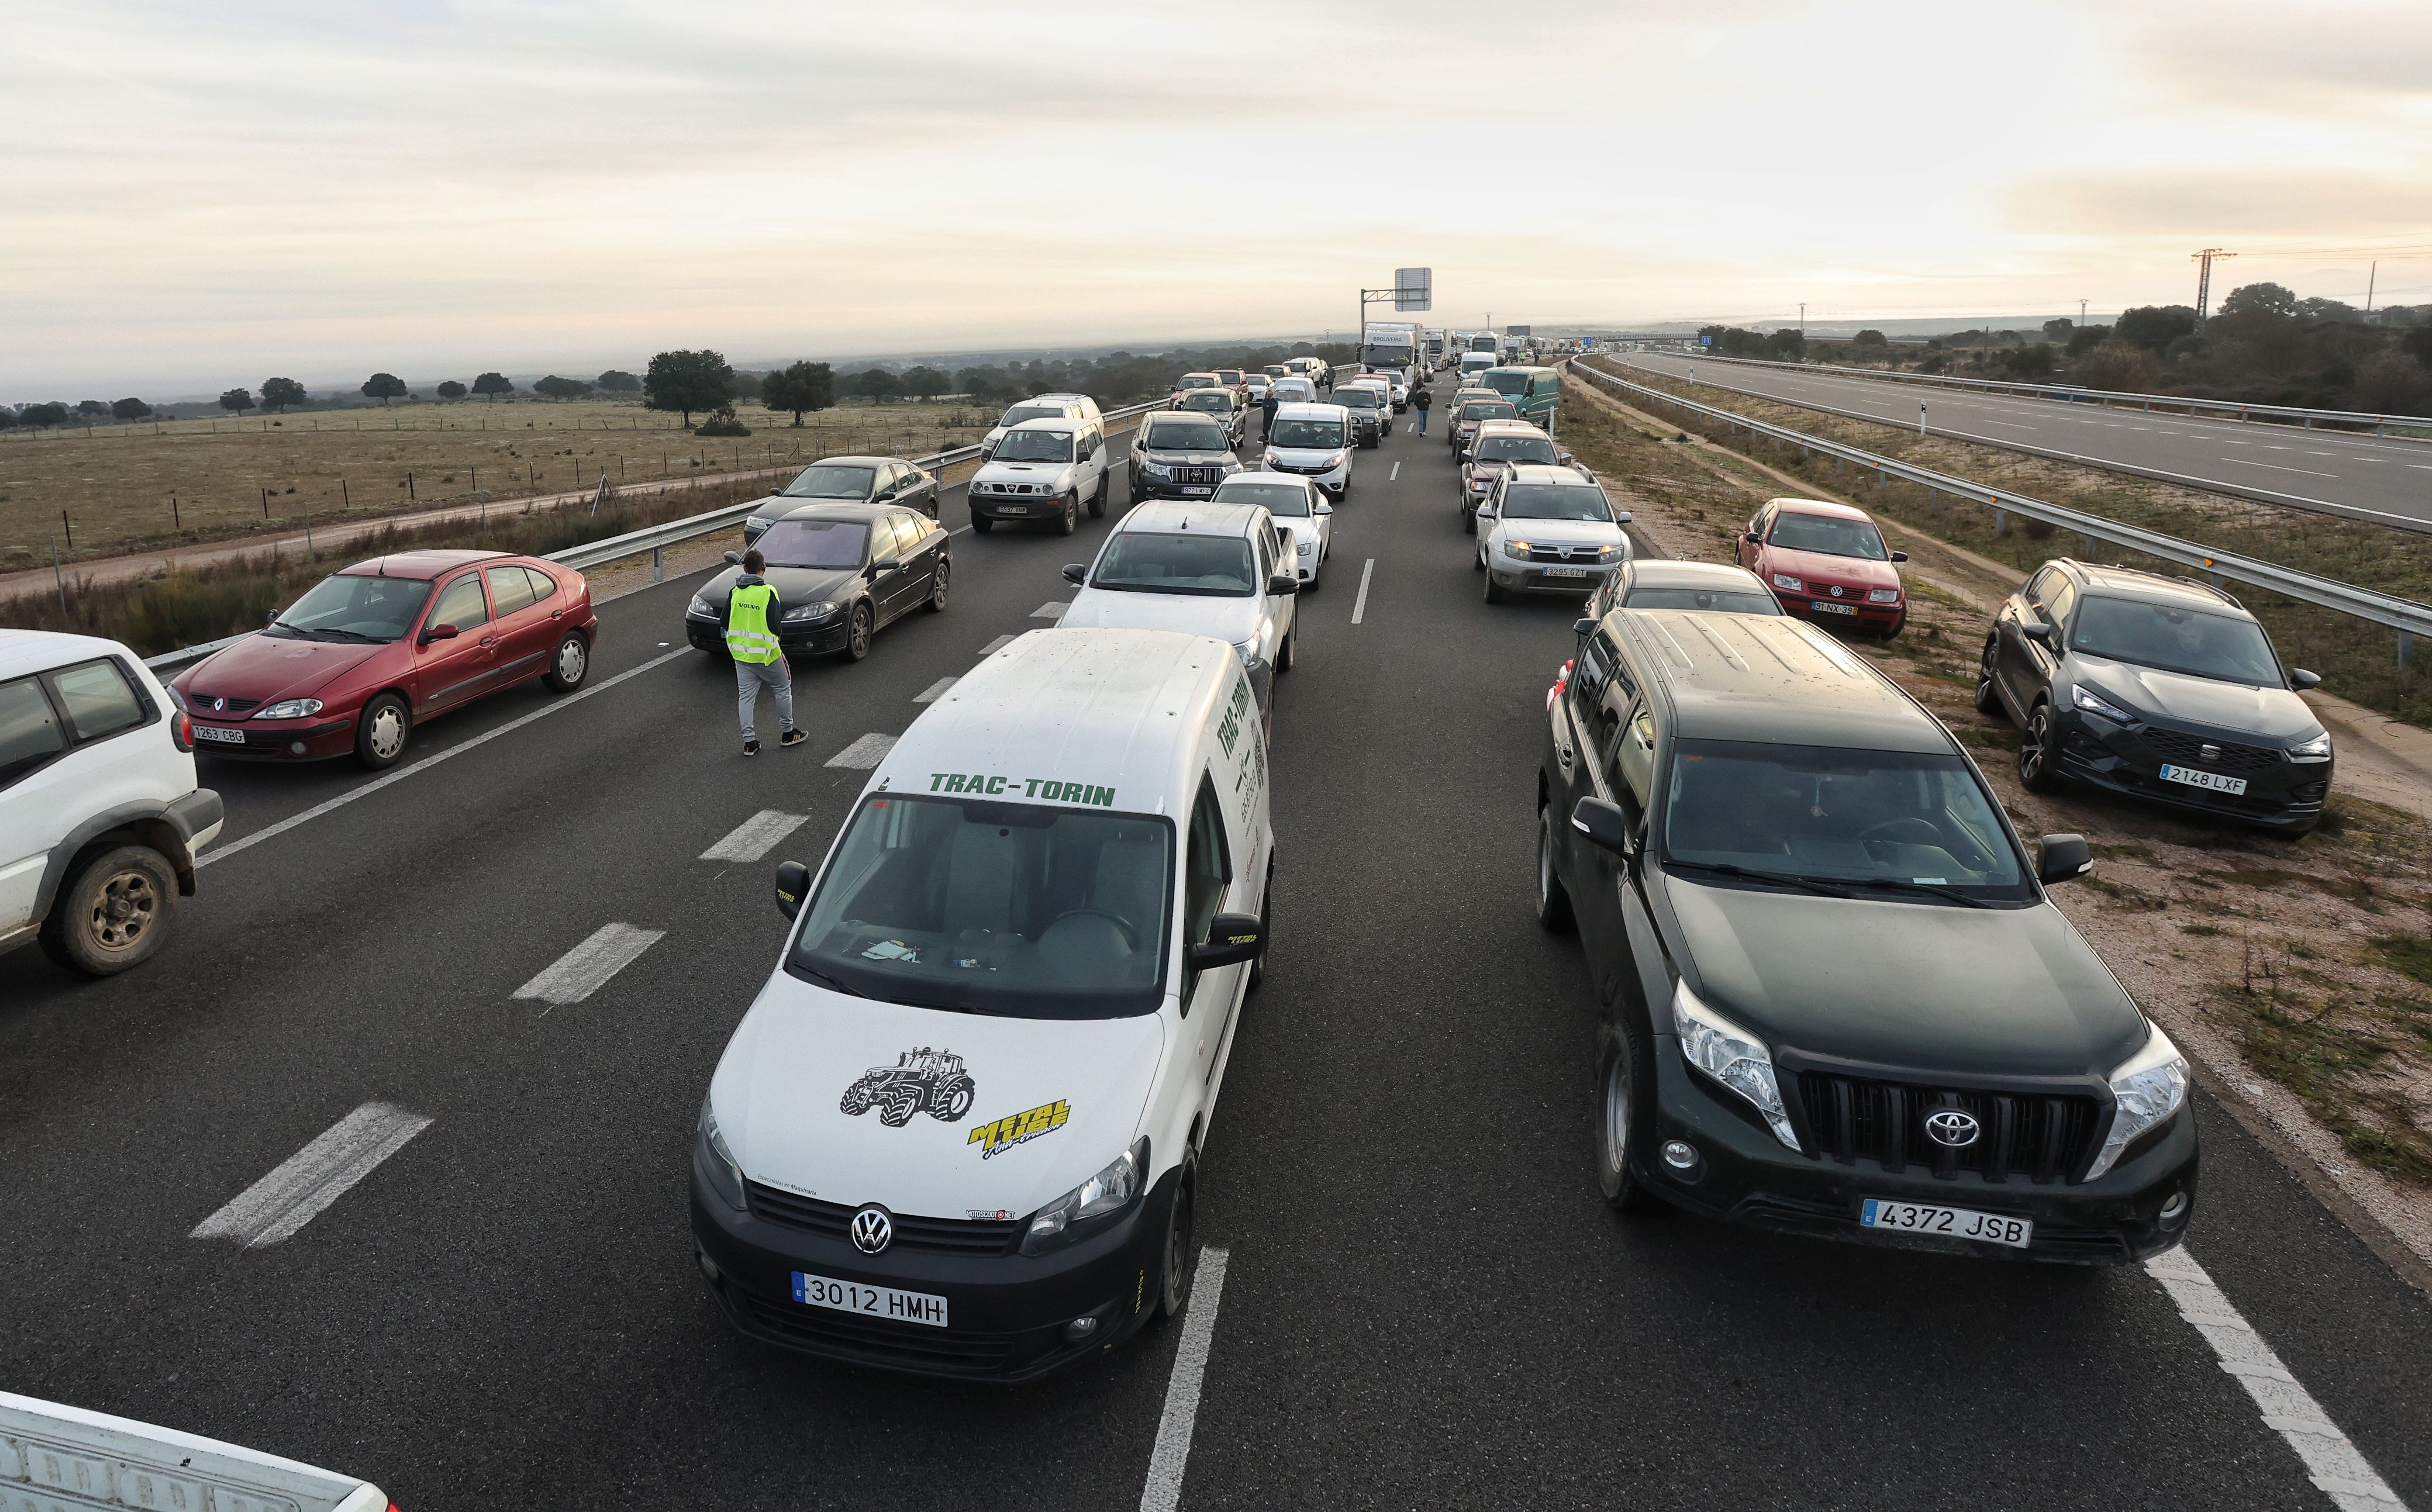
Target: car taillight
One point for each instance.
(181, 730)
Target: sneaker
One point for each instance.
(751, 747)
(792, 737)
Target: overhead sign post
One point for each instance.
(1413, 289)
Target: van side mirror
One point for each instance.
(1232, 938)
(2303, 679)
(2061, 858)
(793, 881)
(1606, 827)
(438, 632)
(1076, 573)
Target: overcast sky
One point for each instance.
(199, 195)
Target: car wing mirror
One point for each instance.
(1232, 938)
(880, 569)
(1283, 582)
(1076, 573)
(1900, 556)
(1583, 627)
(734, 559)
(1565, 458)
(793, 881)
(1486, 509)
(2061, 858)
(1621, 516)
(438, 632)
(1753, 539)
(2303, 679)
(2036, 630)
(271, 619)
(1323, 508)
(1606, 826)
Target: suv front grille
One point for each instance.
(1198, 475)
(833, 1220)
(2042, 1136)
(1558, 553)
(2179, 748)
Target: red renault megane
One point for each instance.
(354, 662)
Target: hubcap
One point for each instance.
(388, 733)
(860, 634)
(569, 660)
(1616, 1116)
(125, 907)
(1544, 856)
(939, 594)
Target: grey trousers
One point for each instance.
(749, 678)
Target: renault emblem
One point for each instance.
(219, 705)
(1949, 1126)
(872, 1230)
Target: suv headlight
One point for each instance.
(2147, 1088)
(1305, 548)
(716, 1163)
(1732, 1056)
(1157, 469)
(820, 610)
(2093, 702)
(290, 708)
(1517, 550)
(1107, 1193)
(2315, 750)
(1783, 580)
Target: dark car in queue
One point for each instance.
(842, 573)
(1498, 444)
(1223, 406)
(1468, 414)
(1827, 562)
(2157, 688)
(1371, 409)
(371, 650)
(1838, 1000)
(1180, 454)
(847, 480)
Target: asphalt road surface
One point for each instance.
(1427, 1304)
(2374, 477)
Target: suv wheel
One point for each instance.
(1071, 520)
(112, 911)
(982, 525)
(382, 731)
(1620, 1089)
(2038, 755)
(1493, 590)
(1098, 499)
(1553, 898)
(1989, 695)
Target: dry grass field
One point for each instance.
(140, 487)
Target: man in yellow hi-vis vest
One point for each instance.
(751, 611)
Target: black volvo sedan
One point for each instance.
(841, 571)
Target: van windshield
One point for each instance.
(1020, 910)
(1506, 383)
(1156, 561)
(1313, 434)
(1285, 501)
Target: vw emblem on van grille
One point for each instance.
(872, 1232)
(1948, 1126)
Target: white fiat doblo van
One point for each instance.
(957, 1131)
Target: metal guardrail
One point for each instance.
(2072, 393)
(2405, 615)
(653, 539)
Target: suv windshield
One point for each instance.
(1315, 435)
(1556, 501)
(1035, 446)
(1358, 397)
(1032, 411)
(2176, 639)
(1188, 435)
(826, 480)
(349, 606)
(1517, 449)
(1829, 536)
(1016, 910)
(1156, 563)
(1282, 500)
(815, 542)
(1724, 602)
(1822, 813)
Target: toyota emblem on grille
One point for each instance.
(2210, 752)
(872, 1229)
(1949, 1126)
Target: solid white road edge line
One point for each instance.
(400, 774)
(2288, 1407)
(1164, 1490)
(755, 837)
(585, 969)
(1359, 606)
(934, 691)
(272, 1208)
(864, 753)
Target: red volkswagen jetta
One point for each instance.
(354, 662)
(1827, 562)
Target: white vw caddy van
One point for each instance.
(956, 1131)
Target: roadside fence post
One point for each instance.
(2405, 645)
(61, 583)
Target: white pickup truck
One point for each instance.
(61, 1458)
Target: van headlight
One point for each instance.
(716, 1163)
(1069, 1217)
(1732, 1056)
(2147, 1088)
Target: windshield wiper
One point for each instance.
(333, 629)
(1780, 878)
(1904, 884)
(832, 983)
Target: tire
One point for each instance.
(1468, 521)
(937, 602)
(1071, 520)
(382, 731)
(1493, 591)
(859, 632)
(1621, 1091)
(1098, 499)
(113, 912)
(895, 1108)
(568, 664)
(2037, 753)
(1266, 924)
(1989, 693)
(982, 525)
(1289, 650)
(1892, 629)
(1174, 1268)
(1477, 559)
(1553, 900)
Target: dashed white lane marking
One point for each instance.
(1164, 1490)
(755, 837)
(934, 691)
(995, 646)
(585, 969)
(1359, 606)
(2288, 1407)
(1395, 474)
(400, 774)
(272, 1208)
(2276, 467)
(1050, 609)
(864, 753)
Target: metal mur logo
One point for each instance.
(872, 1230)
(1951, 1127)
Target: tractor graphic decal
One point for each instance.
(922, 1081)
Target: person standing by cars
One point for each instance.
(751, 609)
(1420, 399)
(1267, 415)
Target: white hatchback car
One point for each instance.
(1547, 530)
(1202, 568)
(100, 815)
(1297, 508)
